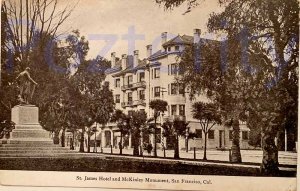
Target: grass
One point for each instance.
(123, 164)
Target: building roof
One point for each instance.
(142, 64)
(179, 40)
(184, 39)
(118, 65)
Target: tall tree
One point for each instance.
(137, 120)
(270, 30)
(208, 116)
(221, 79)
(52, 71)
(123, 125)
(29, 20)
(176, 128)
(158, 106)
(98, 96)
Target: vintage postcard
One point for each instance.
(149, 94)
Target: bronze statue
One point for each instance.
(27, 86)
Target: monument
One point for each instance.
(26, 116)
(28, 138)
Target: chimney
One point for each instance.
(135, 58)
(197, 33)
(113, 59)
(149, 50)
(124, 61)
(164, 37)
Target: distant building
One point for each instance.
(135, 82)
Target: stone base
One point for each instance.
(27, 124)
(29, 139)
(25, 114)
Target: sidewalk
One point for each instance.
(248, 156)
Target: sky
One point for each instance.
(112, 25)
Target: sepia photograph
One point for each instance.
(150, 94)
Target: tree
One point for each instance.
(55, 99)
(137, 120)
(170, 4)
(176, 128)
(270, 30)
(29, 20)
(222, 80)
(98, 97)
(208, 116)
(122, 124)
(159, 106)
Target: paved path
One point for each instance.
(252, 156)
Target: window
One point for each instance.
(152, 92)
(169, 49)
(198, 133)
(117, 82)
(181, 89)
(173, 109)
(156, 72)
(173, 89)
(129, 80)
(118, 98)
(129, 95)
(156, 91)
(245, 135)
(142, 76)
(211, 134)
(176, 48)
(173, 69)
(182, 110)
(142, 94)
(230, 135)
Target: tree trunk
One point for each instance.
(72, 141)
(81, 147)
(205, 145)
(56, 138)
(155, 149)
(95, 142)
(235, 148)
(135, 144)
(176, 148)
(88, 143)
(269, 166)
(121, 144)
(63, 138)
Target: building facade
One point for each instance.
(135, 82)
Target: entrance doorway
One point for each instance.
(221, 138)
(107, 138)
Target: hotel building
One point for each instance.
(135, 82)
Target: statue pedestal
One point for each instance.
(29, 139)
(25, 115)
(27, 126)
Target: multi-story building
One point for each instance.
(135, 82)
